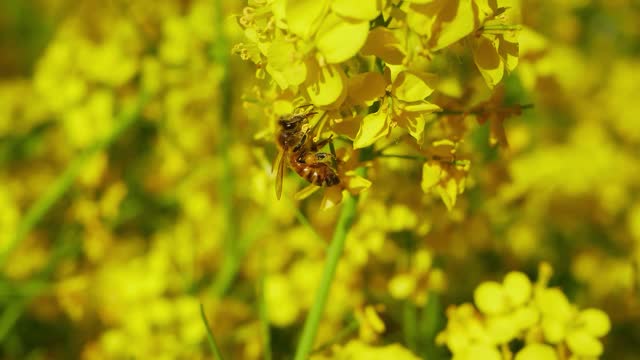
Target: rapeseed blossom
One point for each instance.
(368, 67)
(516, 309)
(474, 140)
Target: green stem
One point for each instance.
(212, 341)
(263, 312)
(347, 216)
(401, 156)
(352, 327)
(10, 316)
(64, 181)
(220, 53)
(480, 111)
(409, 324)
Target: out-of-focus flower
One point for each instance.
(518, 309)
(358, 350)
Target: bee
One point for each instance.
(301, 152)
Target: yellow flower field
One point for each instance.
(320, 179)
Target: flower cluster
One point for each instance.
(519, 312)
(136, 180)
(369, 67)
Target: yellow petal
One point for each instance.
(455, 21)
(536, 352)
(501, 328)
(332, 197)
(481, 351)
(525, 317)
(383, 43)
(517, 287)
(490, 298)
(508, 50)
(305, 16)
(277, 291)
(283, 65)
(423, 258)
(357, 9)
(421, 16)
(374, 126)
(402, 286)
(357, 183)
(365, 88)
(484, 9)
(348, 127)
(328, 86)
(596, 322)
(531, 41)
(339, 40)
(414, 123)
(488, 61)
(412, 86)
(373, 319)
(554, 303)
(449, 193)
(580, 342)
(554, 330)
(306, 192)
(431, 173)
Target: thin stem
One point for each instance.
(226, 188)
(212, 341)
(263, 311)
(480, 111)
(409, 324)
(347, 216)
(344, 333)
(407, 157)
(64, 181)
(9, 317)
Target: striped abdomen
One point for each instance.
(319, 174)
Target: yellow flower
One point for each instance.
(358, 350)
(517, 309)
(370, 324)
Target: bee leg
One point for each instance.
(303, 106)
(303, 140)
(317, 146)
(303, 157)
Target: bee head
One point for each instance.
(295, 122)
(290, 124)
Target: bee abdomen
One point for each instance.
(319, 175)
(331, 179)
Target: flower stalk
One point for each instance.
(336, 248)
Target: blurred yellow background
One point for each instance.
(136, 184)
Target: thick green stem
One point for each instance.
(347, 215)
(226, 189)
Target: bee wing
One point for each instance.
(279, 167)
